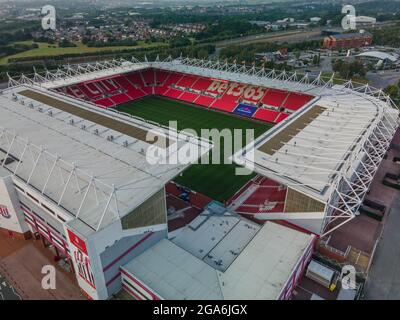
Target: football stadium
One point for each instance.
(75, 172)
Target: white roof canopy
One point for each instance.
(74, 162)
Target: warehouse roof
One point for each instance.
(259, 269)
(379, 55)
(354, 35)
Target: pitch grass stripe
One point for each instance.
(215, 181)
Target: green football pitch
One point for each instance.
(217, 181)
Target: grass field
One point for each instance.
(46, 49)
(218, 181)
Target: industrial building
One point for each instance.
(347, 41)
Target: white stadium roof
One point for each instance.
(329, 150)
(256, 261)
(90, 170)
(379, 55)
(312, 147)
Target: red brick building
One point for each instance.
(347, 41)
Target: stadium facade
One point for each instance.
(74, 172)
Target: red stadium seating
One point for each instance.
(91, 90)
(296, 100)
(215, 94)
(186, 81)
(109, 86)
(204, 101)
(124, 83)
(253, 94)
(161, 90)
(76, 92)
(274, 97)
(148, 76)
(259, 195)
(105, 103)
(217, 87)
(135, 79)
(173, 79)
(173, 93)
(136, 94)
(120, 98)
(282, 116)
(161, 76)
(226, 103)
(266, 115)
(189, 97)
(201, 84)
(148, 90)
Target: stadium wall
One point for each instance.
(109, 248)
(136, 288)
(11, 216)
(95, 256)
(122, 252)
(298, 202)
(298, 271)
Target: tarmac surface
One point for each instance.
(384, 277)
(383, 79)
(21, 265)
(7, 292)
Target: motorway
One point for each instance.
(292, 36)
(382, 79)
(280, 36)
(7, 292)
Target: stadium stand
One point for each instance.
(204, 101)
(136, 79)
(271, 105)
(186, 81)
(173, 79)
(109, 86)
(282, 116)
(181, 214)
(120, 98)
(201, 84)
(296, 100)
(266, 115)
(274, 98)
(105, 103)
(227, 102)
(76, 92)
(161, 90)
(253, 94)
(195, 199)
(189, 97)
(148, 77)
(161, 77)
(136, 94)
(124, 83)
(91, 90)
(173, 93)
(260, 195)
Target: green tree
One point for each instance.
(179, 42)
(392, 91)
